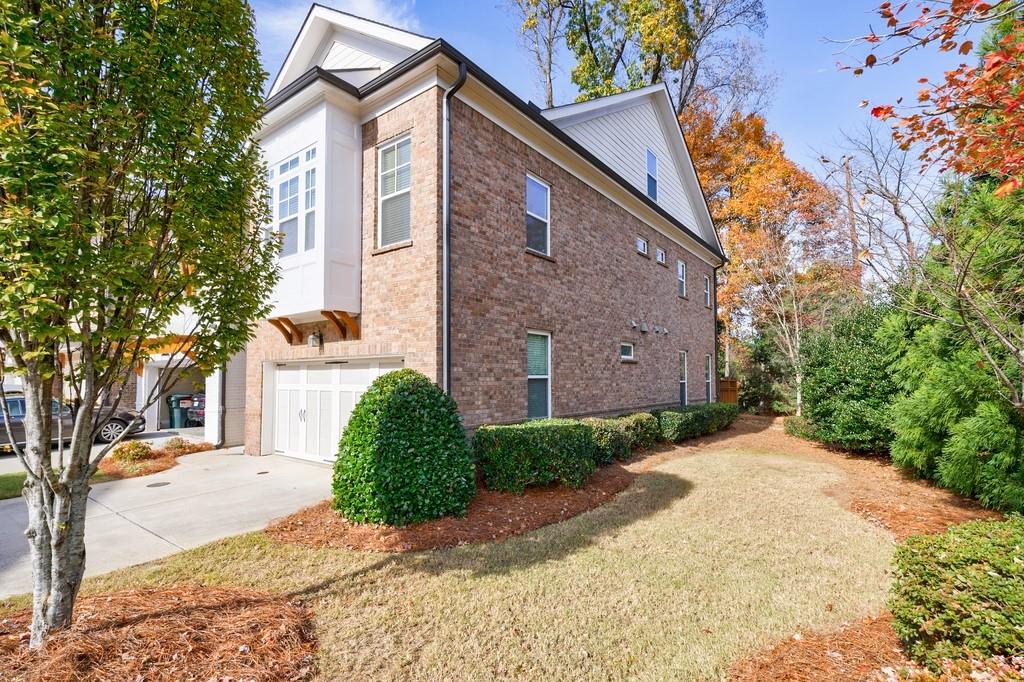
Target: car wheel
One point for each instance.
(112, 430)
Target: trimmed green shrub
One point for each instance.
(799, 427)
(610, 439)
(642, 429)
(131, 451)
(696, 420)
(535, 453)
(403, 457)
(962, 590)
(847, 386)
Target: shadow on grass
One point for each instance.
(649, 494)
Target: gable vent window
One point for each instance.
(538, 208)
(681, 276)
(395, 211)
(652, 175)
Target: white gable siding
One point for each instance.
(342, 56)
(621, 140)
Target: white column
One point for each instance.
(150, 378)
(211, 429)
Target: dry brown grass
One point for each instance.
(718, 552)
(701, 561)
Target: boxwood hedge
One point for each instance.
(641, 428)
(696, 420)
(610, 439)
(535, 453)
(961, 591)
(403, 457)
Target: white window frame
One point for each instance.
(547, 221)
(647, 159)
(707, 291)
(707, 379)
(380, 193)
(297, 170)
(632, 351)
(685, 379)
(660, 256)
(641, 241)
(681, 277)
(548, 376)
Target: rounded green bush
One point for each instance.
(642, 428)
(611, 440)
(961, 591)
(403, 457)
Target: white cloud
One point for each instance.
(278, 22)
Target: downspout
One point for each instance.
(446, 254)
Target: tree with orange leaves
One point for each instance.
(779, 225)
(972, 120)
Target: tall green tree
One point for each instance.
(129, 190)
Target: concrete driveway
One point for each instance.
(207, 496)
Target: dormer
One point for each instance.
(354, 49)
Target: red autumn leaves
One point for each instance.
(972, 120)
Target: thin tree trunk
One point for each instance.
(56, 507)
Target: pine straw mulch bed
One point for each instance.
(160, 459)
(187, 632)
(883, 495)
(491, 516)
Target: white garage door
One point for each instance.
(312, 404)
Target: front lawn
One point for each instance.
(703, 560)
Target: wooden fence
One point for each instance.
(728, 390)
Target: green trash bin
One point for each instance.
(179, 414)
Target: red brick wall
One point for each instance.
(400, 298)
(585, 296)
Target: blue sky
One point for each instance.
(814, 100)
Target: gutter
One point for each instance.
(446, 252)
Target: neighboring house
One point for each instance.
(532, 262)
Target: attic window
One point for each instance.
(652, 175)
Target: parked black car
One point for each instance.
(110, 430)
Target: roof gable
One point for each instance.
(352, 48)
(621, 128)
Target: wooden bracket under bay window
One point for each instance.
(346, 324)
(287, 328)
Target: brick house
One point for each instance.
(532, 262)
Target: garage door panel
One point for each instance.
(314, 402)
